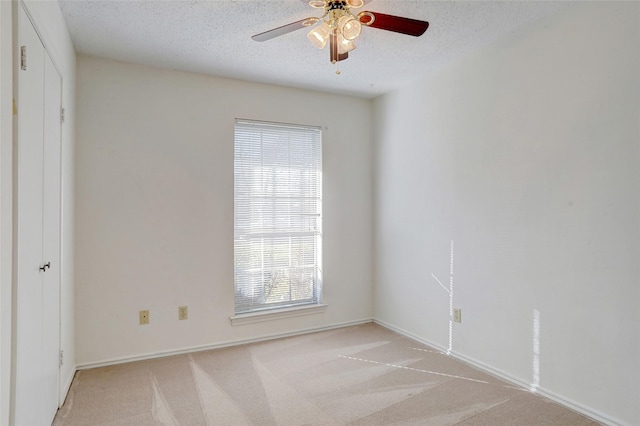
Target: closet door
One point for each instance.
(38, 233)
(51, 237)
(29, 223)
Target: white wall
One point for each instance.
(154, 197)
(52, 30)
(527, 157)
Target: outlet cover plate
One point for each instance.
(457, 314)
(183, 312)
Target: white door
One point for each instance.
(38, 234)
(29, 223)
(51, 237)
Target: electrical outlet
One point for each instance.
(144, 317)
(183, 312)
(457, 314)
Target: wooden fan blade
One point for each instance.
(397, 24)
(333, 50)
(285, 29)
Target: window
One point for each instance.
(277, 215)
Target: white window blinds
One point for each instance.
(277, 216)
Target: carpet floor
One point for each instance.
(359, 375)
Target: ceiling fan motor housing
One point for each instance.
(339, 4)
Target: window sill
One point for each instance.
(275, 314)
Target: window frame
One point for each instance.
(309, 187)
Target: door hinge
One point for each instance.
(62, 115)
(23, 58)
(61, 358)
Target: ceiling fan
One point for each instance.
(340, 26)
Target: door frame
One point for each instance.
(6, 206)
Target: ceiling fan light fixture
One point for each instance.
(345, 45)
(319, 35)
(339, 26)
(349, 27)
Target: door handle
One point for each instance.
(45, 266)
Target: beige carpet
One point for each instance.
(361, 375)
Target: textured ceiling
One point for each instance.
(214, 37)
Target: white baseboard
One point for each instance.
(573, 405)
(160, 354)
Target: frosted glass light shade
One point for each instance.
(319, 35)
(355, 3)
(349, 27)
(345, 45)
